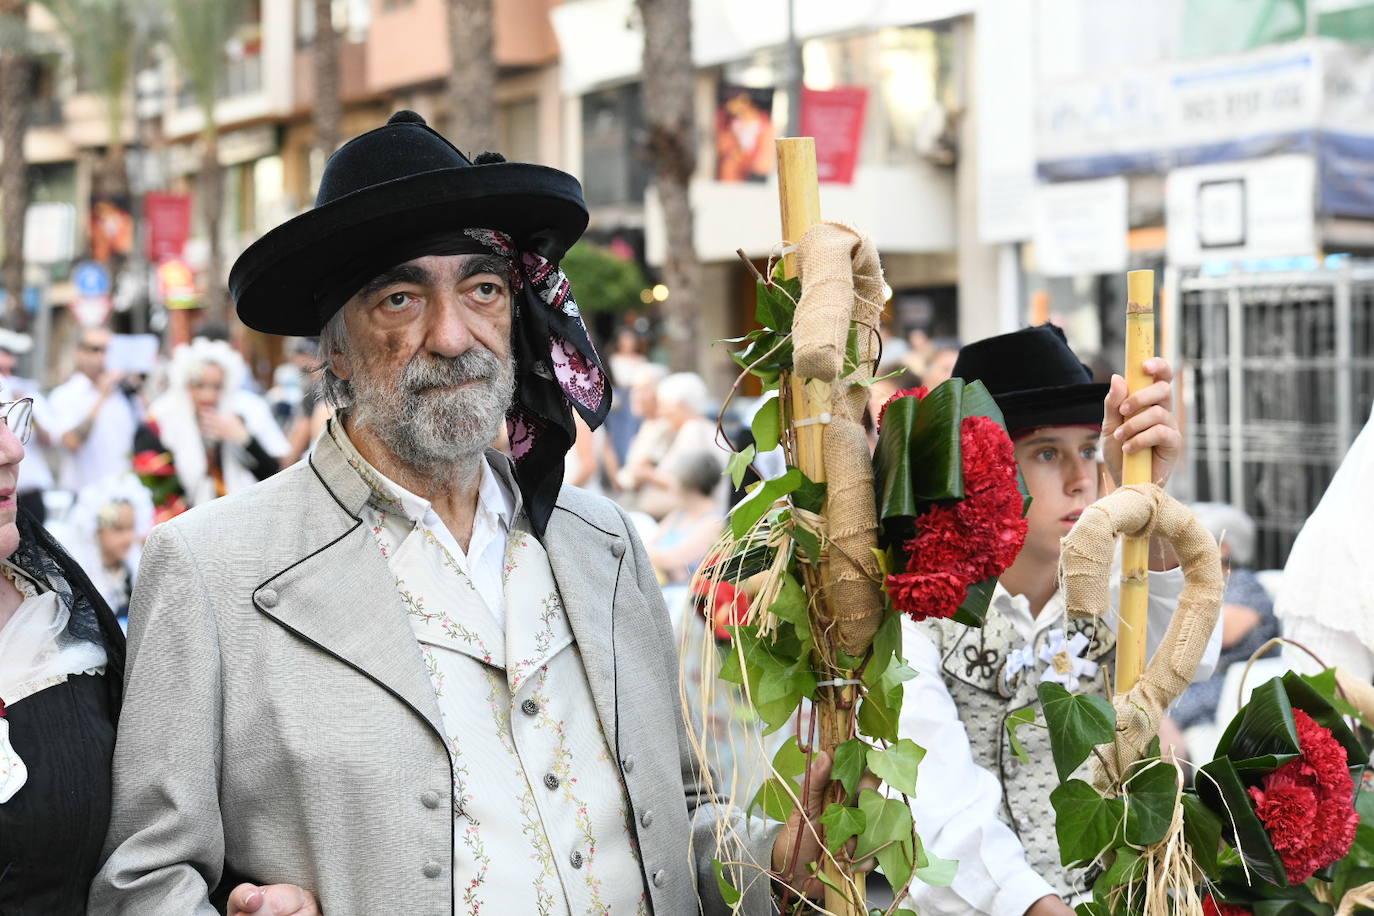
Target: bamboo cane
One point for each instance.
(799, 198)
(1136, 468)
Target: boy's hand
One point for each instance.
(1143, 420)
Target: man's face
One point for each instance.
(1059, 465)
(7, 363)
(429, 357)
(90, 352)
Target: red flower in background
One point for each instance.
(1307, 804)
(969, 541)
(1212, 907)
(728, 606)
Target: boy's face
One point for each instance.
(1059, 464)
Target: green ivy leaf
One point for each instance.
(847, 764)
(887, 641)
(1127, 868)
(1202, 830)
(738, 463)
(881, 706)
(1015, 720)
(1091, 908)
(1085, 823)
(1077, 723)
(1151, 791)
(779, 695)
(937, 872)
(774, 310)
(888, 832)
(773, 798)
(897, 765)
(766, 424)
(761, 500)
(809, 495)
(727, 890)
(841, 822)
(790, 760)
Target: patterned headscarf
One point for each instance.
(557, 370)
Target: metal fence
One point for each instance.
(1277, 379)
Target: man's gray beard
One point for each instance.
(430, 426)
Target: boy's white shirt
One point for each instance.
(957, 800)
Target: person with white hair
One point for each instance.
(1247, 611)
(682, 404)
(216, 447)
(104, 533)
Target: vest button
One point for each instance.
(628, 764)
(267, 597)
(430, 799)
(529, 707)
(575, 860)
(432, 869)
(551, 781)
(617, 548)
(660, 878)
(646, 818)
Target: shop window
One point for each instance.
(614, 168)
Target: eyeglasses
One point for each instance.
(18, 416)
(93, 348)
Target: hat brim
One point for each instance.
(1065, 405)
(275, 280)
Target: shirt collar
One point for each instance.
(498, 498)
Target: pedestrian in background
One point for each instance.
(95, 415)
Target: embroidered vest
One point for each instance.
(974, 665)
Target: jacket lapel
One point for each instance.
(342, 597)
(586, 560)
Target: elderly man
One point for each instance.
(411, 675)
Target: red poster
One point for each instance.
(835, 117)
(169, 224)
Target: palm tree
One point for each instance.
(669, 79)
(328, 106)
(198, 32)
(472, 75)
(101, 34)
(16, 69)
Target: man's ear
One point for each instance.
(339, 365)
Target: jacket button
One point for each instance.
(617, 548)
(646, 818)
(551, 781)
(628, 764)
(267, 597)
(575, 860)
(430, 799)
(660, 878)
(432, 869)
(529, 707)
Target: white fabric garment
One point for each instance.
(34, 472)
(1326, 597)
(957, 801)
(108, 448)
(541, 819)
(179, 430)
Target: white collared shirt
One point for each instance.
(957, 801)
(109, 445)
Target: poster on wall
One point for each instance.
(168, 218)
(744, 133)
(835, 117)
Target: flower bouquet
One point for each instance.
(157, 472)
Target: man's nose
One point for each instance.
(449, 332)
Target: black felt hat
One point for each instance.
(402, 180)
(1035, 379)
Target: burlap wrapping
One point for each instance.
(1085, 563)
(842, 282)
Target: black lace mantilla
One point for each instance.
(43, 559)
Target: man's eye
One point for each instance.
(1045, 454)
(1090, 452)
(397, 300)
(488, 290)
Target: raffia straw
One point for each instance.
(1362, 897)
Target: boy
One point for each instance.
(999, 825)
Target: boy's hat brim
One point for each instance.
(1035, 379)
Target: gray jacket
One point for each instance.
(279, 725)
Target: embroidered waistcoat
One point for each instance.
(974, 665)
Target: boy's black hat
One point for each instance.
(1035, 379)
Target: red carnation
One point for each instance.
(1307, 804)
(969, 541)
(916, 393)
(729, 606)
(1213, 907)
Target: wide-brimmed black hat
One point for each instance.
(402, 180)
(1035, 379)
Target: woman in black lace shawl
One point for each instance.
(61, 676)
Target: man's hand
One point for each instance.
(796, 835)
(108, 382)
(1143, 420)
(1049, 905)
(272, 900)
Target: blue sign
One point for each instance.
(91, 279)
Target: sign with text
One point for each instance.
(1081, 227)
(835, 117)
(1235, 211)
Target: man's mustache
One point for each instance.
(443, 372)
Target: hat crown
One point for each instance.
(403, 147)
(1031, 358)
